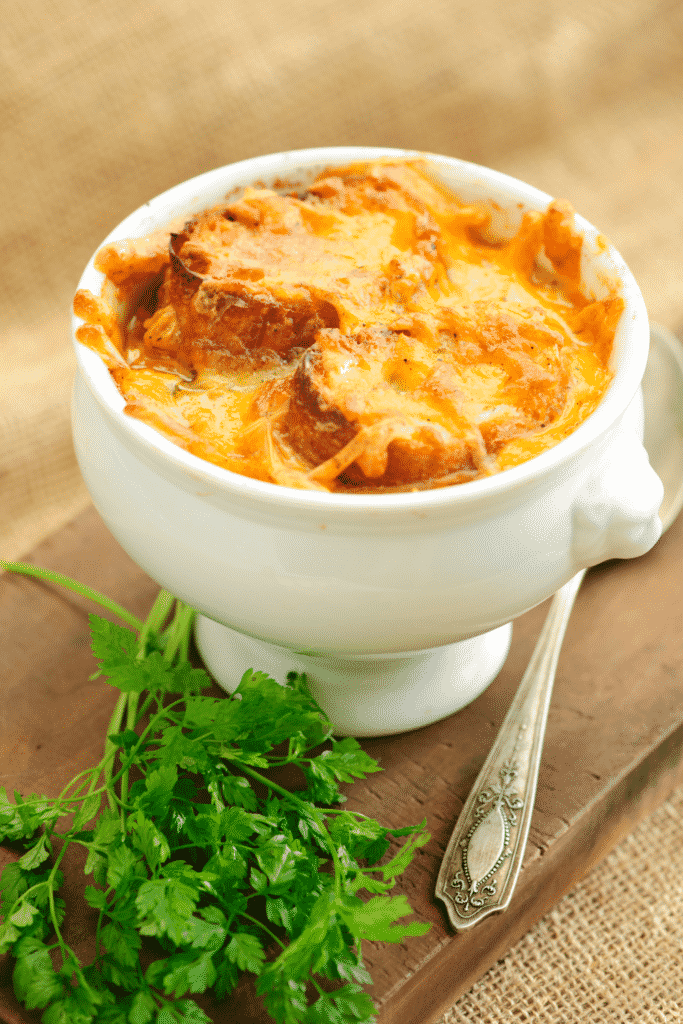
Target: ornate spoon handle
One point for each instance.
(481, 864)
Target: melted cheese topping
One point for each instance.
(366, 335)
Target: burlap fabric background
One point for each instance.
(104, 105)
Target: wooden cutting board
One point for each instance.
(613, 750)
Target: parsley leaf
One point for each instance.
(36, 983)
(198, 849)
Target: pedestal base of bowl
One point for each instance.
(366, 696)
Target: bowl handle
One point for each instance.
(615, 514)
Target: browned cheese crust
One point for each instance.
(366, 334)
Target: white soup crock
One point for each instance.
(397, 605)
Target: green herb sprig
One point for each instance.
(192, 843)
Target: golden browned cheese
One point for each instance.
(366, 334)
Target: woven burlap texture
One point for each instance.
(105, 105)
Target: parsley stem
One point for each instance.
(133, 699)
(188, 621)
(75, 798)
(157, 615)
(130, 758)
(163, 712)
(128, 702)
(22, 899)
(149, 699)
(255, 920)
(99, 924)
(78, 588)
(64, 949)
(178, 633)
(110, 747)
(324, 996)
(156, 618)
(131, 711)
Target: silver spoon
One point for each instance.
(484, 856)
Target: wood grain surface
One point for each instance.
(612, 753)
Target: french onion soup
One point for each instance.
(368, 333)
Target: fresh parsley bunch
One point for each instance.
(192, 843)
